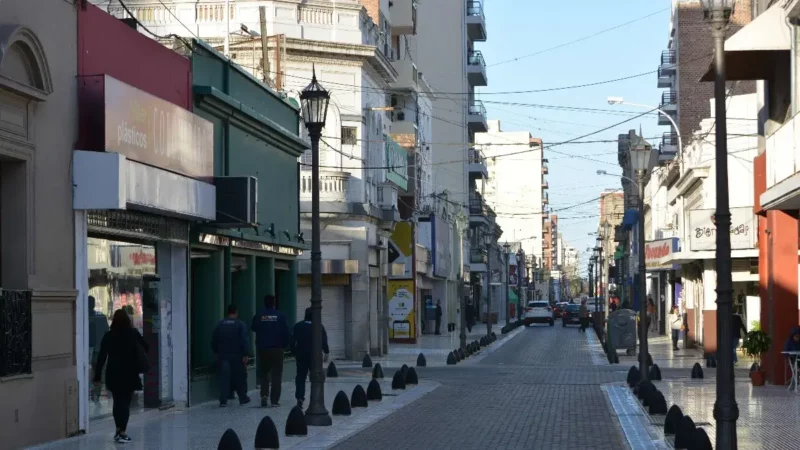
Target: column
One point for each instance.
(709, 307)
(244, 295)
(206, 306)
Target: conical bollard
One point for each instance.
(451, 359)
(377, 372)
(359, 398)
(697, 371)
(671, 422)
(657, 404)
(649, 360)
(229, 441)
(398, 381)
(267, 434)
(367, 362)
(655, 373)
(684, 432)
(341, 405)
(404, 369)
(648, 396)
(421, 362)
(458, 357)
(374, 391)
(494, 336)
(645, 387)
(296, 423)
(332, 372)
(461, 354)
(700, 440)
(633, 376)
(411, 376)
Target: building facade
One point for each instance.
(38, 128)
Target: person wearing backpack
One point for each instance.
(125, 350)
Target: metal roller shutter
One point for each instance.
(332, 315)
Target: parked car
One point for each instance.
(558, 310)
(571, 315)
(538, 312)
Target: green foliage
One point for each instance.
(756, 325)
(756, 343)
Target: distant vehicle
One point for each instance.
(538, 312)
(597, 303)
(571, 315)
(558, 309)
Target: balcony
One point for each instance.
(478, 210)
(783, 166)
(545, 185)
(669, 104)
(478, 259)
(477, 164)
(668, 62)
(476, 69)
(333, 186)
(404, 17)
(387, 202)
(476, 21)
(476, 118)
(407, 75)
(545, 169)
(669, 146)
(665, 79)
(545, 199)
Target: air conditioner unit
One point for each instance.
(237, 202)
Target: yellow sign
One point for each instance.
(402, 309)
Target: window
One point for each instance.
(537, 305)
(349, 136)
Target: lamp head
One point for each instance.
(615, 100)
(314, 99)
(718, 8)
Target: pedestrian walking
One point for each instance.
(124, 349)
(438, 316)
(583, 313)
(272, 337)
(675, 325)
(230, 343)
(301, 346)
(651, 314)
(98, 327)
(738, 328)
(470, 316)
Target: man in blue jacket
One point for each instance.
(272, 336)
(230, 343)
(301, 348)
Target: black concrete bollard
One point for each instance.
(404, 369)
(697, 371)
(658, 404)
(377, 372)
(341, 405)
(267, 434)
(411, 377)
(457, 355)
(684, 433)
(296, 423)
(633, 376)
(711, 361)
(494, 336)
(645, 387)
(367, 362)
(332, 372)
(451, 359)
(374, 391)
(421, 362)
(358, 399)
(671, 422)
(398, 381)
(700, 440)
(229, 441)
(649, 396)
(461, 354)
(655, 373)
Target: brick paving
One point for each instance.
(540, 390)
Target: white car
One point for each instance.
(538, 312)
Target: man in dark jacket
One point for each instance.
(230, 343)
(301, 345)
(438, 316)
(272, 336)
(738, 328)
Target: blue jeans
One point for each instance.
(676, 334)
(303, 367)
(231, 375)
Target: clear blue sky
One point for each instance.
(521, 27)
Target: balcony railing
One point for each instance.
(476, 156)
(669, 98)
(477, 108)
(478, 207)
(16, 342)
(545, 169)
(475, 8)
(669, 139)
(332, 186)
(668, 57)
(478, 255)
(475, 58)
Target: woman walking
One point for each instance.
(675, 325)
(122, 346)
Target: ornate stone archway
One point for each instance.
(23, 65)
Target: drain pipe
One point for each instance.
(791, 23)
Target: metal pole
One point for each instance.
(508, 285)
(599, 280)
(489, 290)
(316, 414)
(640, 174)
(462, 335)
(725, 409)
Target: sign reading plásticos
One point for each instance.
(152, 131)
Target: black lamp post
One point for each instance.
(520, 273)
(591, 276)
(507, 248)
(718, 13)
(462, 334)
(643, 157)
(314, 99)
(488, 239)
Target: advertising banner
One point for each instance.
(401, 248)
(441, 247)
(657, 254)
(703, 235)
(402, 309)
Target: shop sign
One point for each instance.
(401, 248)
(441, 247)
(657, 254)
(397, 159)
(401, 309)
(152, 131)
(704, 231)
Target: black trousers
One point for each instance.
(122, 408)
(271, 366)
(231, 372)
(303, 367)
(584, 324)
(438, 325)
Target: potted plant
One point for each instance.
(756, 343)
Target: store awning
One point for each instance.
(629, 219)
(758, 48)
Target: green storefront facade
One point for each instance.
(255, 135)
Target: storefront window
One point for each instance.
(116, 281)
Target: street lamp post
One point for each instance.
(643, 157)
(726, 411)
(314, 99)
(520, 272)
(591, 276)
(620, 101)
(462, 335)
(507, 248)
(488, 240)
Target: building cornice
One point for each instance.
(340, 50)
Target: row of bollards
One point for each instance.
(510, 327)
(473, 347)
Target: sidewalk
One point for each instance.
(202, 426)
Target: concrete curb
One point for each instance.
(486, 351)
